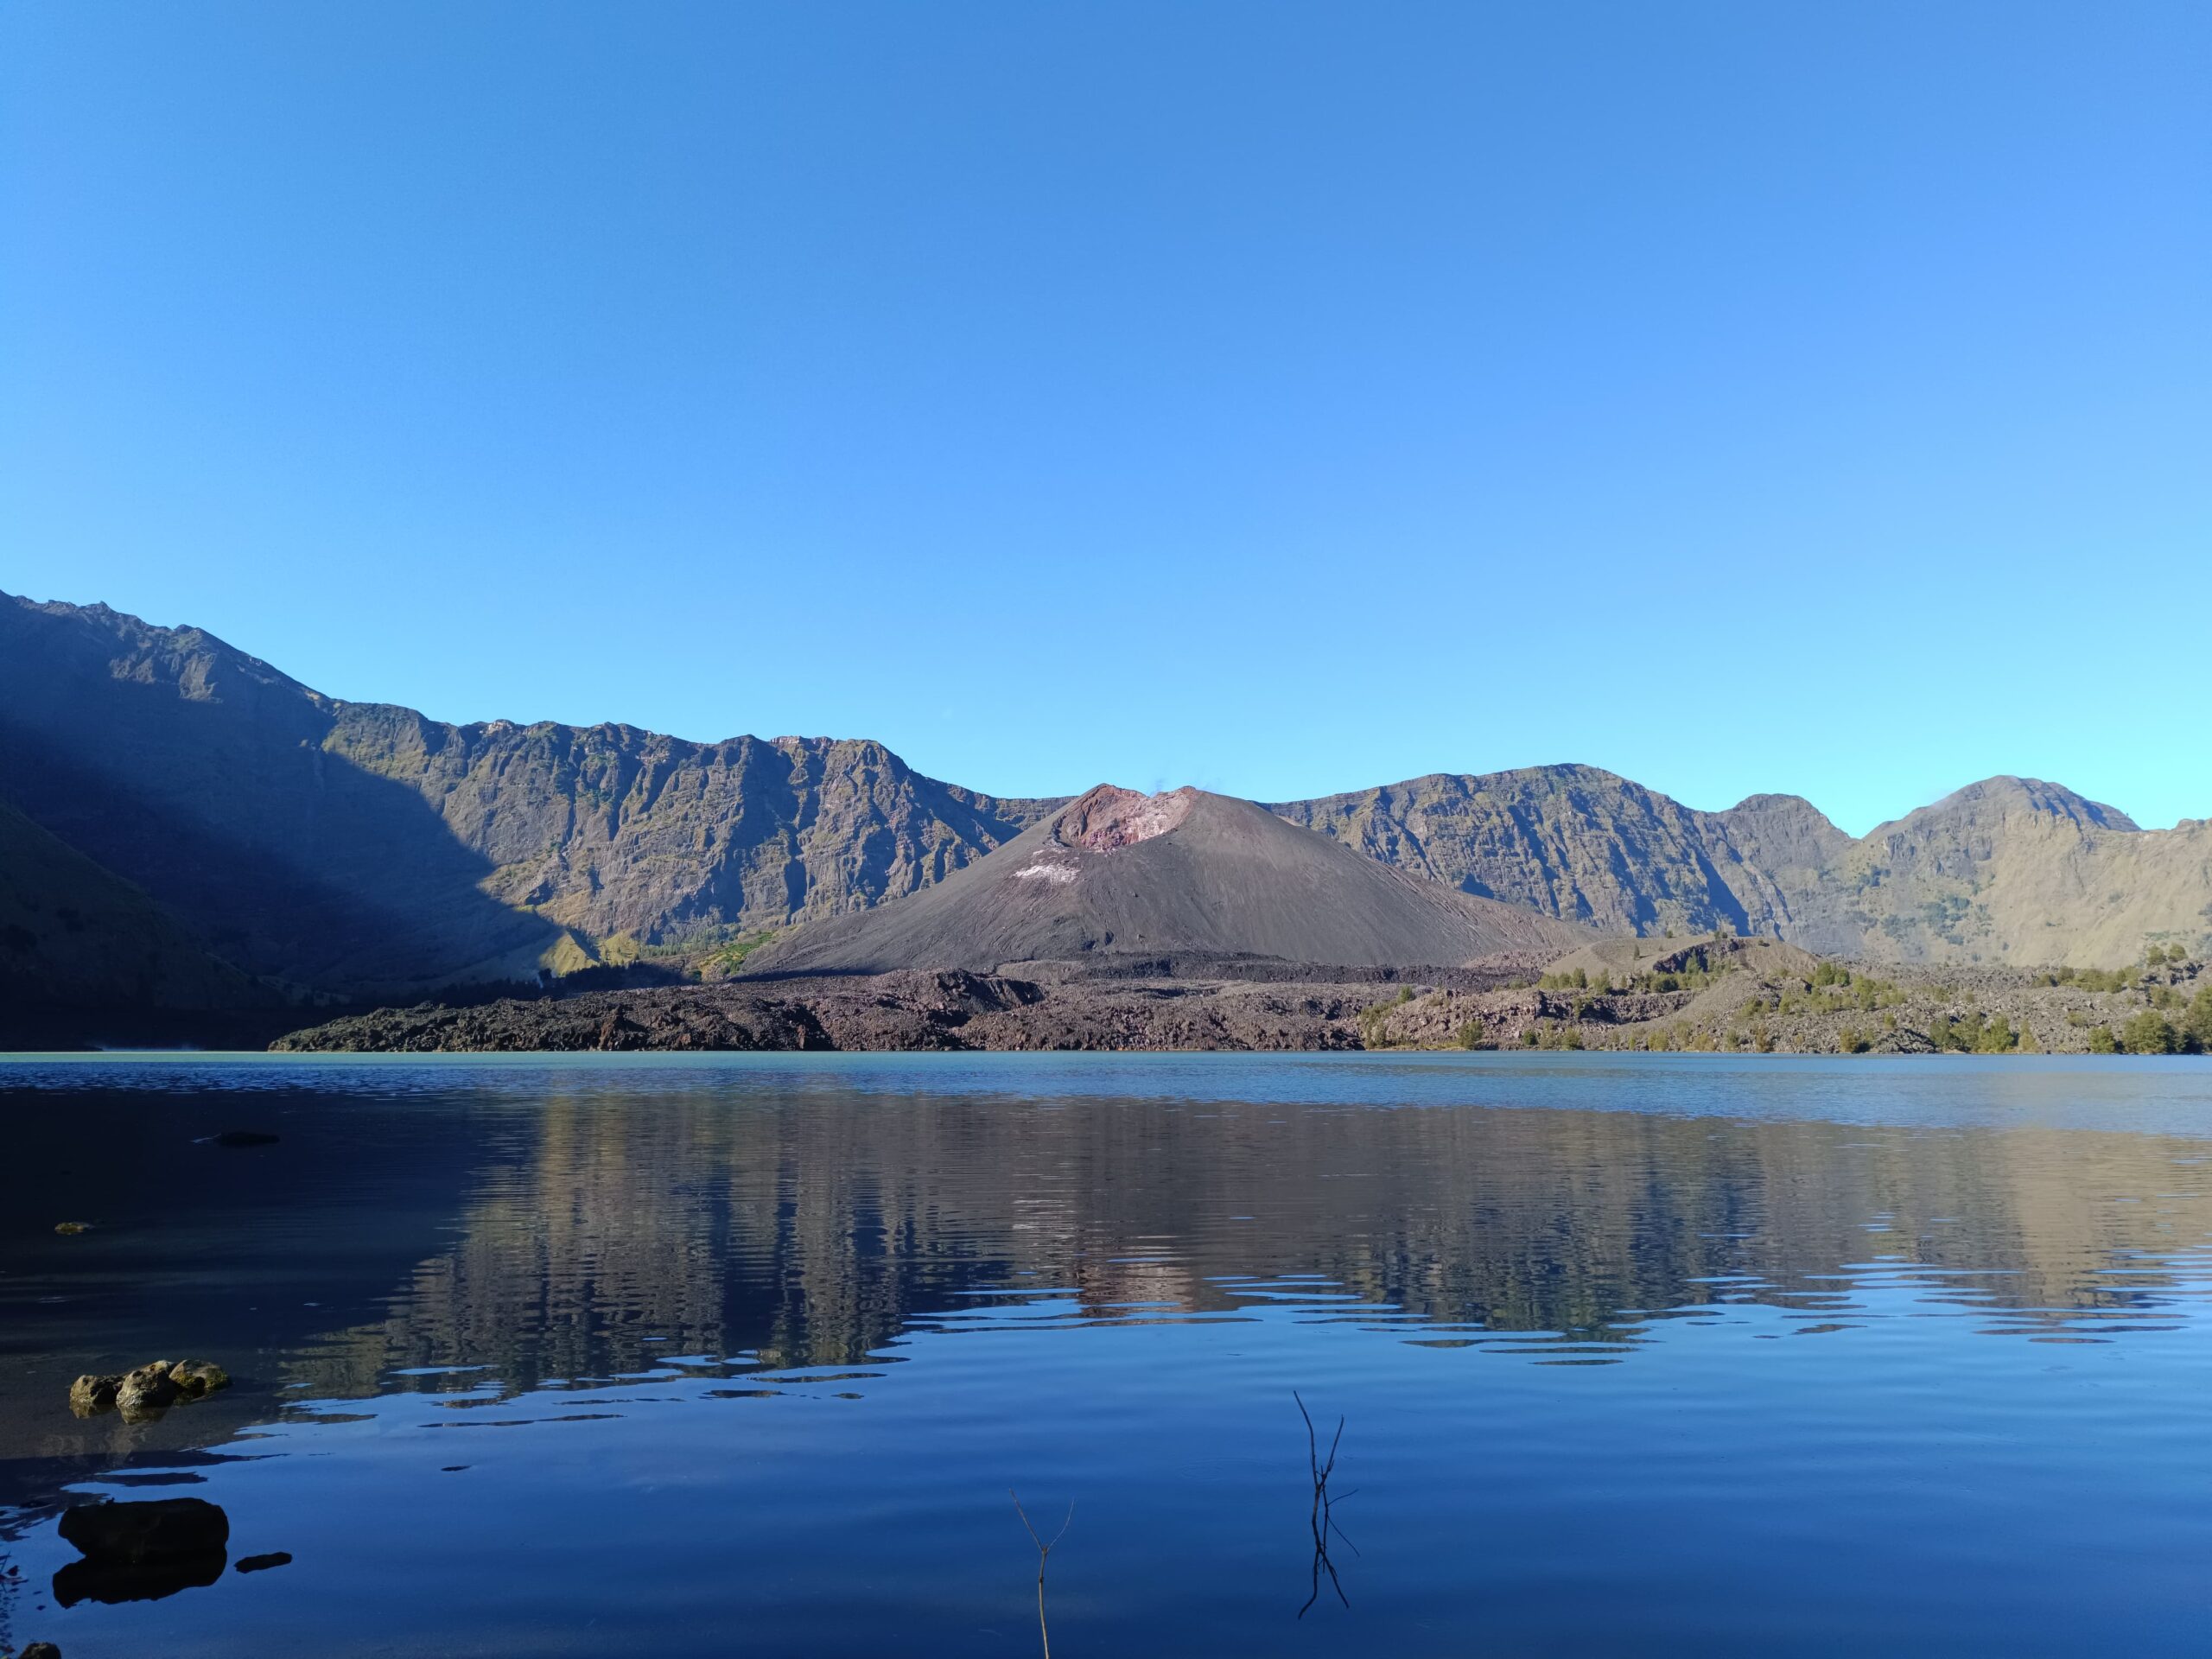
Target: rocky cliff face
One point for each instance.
(362, 847)
(630, 836)
(1577, 842)
(2007, 870)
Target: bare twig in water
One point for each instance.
(1324, 1520)
(1044, 1554)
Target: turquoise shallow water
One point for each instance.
(707, 1355)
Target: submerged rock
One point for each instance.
(71, 1229)
(245, 1138)
(40, 1650)
(262, 1563)
(90, 1395)
(147, 1390)
(199, 1378)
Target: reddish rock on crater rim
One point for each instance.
(1106, 818)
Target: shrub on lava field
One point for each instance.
(2197, 1027)
(2150, 1033)
(1975, 1034)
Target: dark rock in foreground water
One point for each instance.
(262, 1563)
(158, 1529)
(142, 1551)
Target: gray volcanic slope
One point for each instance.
(1184, 871)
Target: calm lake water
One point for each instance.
(1689, 1353)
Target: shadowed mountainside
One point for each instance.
(363, 847)
(204, 777)
(74, 935)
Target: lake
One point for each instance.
(722, 1355)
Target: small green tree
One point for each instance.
(2102, 1041)
(2150, 1033)
(2197, 1025)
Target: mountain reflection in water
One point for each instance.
(591, 1356)
(813, 1231)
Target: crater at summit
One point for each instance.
(1107, 818)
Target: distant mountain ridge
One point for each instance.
(2008, 869)
(365, 849)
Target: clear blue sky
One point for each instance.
(1277, 398)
